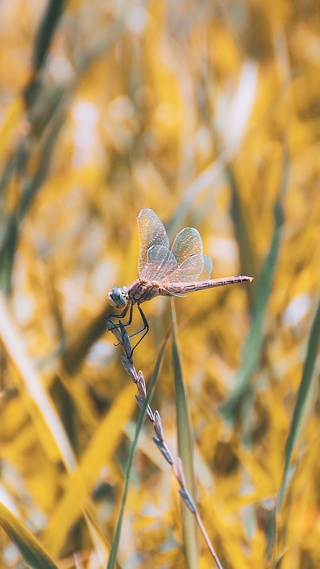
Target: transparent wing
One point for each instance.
(207, 268)
(189, 270)
(160, 262)
(187, 249)
(188, 242)
(185, 262)
(152, 232)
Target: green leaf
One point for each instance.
(32, 552)
(308, 382)
(254, 341)
(308, 387)
(185, 446)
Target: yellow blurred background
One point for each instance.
(208, 113)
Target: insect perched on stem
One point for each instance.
(165, 272)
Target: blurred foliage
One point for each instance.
(209, 113)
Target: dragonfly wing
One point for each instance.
(187, 249)
(160, 261)
(152, 232)
(207, 268)
(188, 242)
(189, 270)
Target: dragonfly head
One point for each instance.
(118, 297)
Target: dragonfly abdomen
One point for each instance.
(186, 287)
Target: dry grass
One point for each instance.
(208, 113)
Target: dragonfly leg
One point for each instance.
(129, 307)
(122, 315)
(145, 328)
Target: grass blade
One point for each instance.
(185, 446)
(308, 381)
(40, 406)
(247, 258)
(253, 345)
(154, 378)
(30, 549)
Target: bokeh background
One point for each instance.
(208, 113)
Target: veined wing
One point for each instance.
(152, 234)
(207, 268)
(162, 266)
(191, 263)
(187, 249)
(185, 261)
(160, 262)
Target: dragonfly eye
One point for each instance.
(117, 297)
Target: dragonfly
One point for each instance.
(163, 271)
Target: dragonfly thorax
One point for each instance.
(118, 297)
